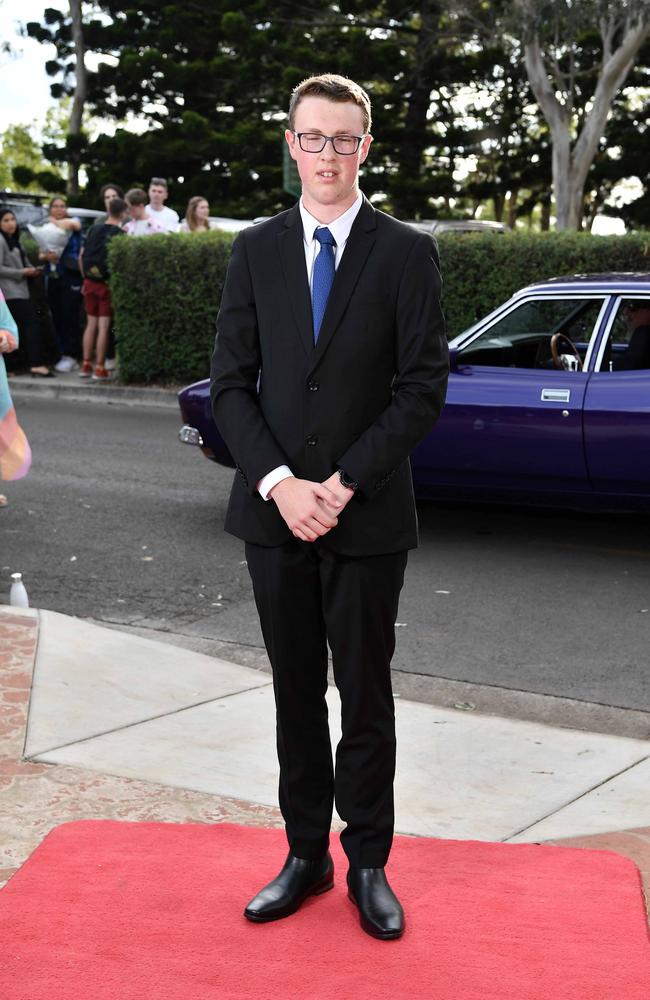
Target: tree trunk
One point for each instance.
(512, 208)
(81, 86)
(571, 166)
(545, 218)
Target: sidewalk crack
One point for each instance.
(35, 757)
(569, 802)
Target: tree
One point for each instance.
(66, 30)
(75, 134)
(22, 164)
(199, 91)
(551, 33)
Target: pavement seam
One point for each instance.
(34, 758)
(32, 682)
(577, 798)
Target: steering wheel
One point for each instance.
(561, 338)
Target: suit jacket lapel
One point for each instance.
(357, 248)
(291, 249)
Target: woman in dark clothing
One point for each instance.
(15, 275)
(64, 286)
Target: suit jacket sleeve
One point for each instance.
(422, 369)
(236, 364)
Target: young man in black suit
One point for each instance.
(330, 365)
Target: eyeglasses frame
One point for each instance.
(330, 138)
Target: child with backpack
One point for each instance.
(97, 295)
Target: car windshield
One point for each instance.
(537, 333)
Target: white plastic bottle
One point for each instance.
(18, 595)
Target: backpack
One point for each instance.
(95, 258)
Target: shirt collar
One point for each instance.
(339, 228)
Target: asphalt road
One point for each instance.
(120, 523)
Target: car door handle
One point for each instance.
(556, 395)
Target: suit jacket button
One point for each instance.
(312, 440)
(313, 386)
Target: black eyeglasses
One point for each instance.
(314, 142)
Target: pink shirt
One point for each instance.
(143, 227)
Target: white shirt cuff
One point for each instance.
(271, 479)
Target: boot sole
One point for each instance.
(316, 890)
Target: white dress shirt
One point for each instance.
(340, 230)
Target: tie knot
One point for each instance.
(323, 235)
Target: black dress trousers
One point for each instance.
(307, 596)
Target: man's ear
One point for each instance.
(365, 148)
(290, 138)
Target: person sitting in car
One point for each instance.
(637, 354)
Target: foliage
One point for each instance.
(481, 270)
(213, 82)
(22, 165)
(166, 289)
(166, 292)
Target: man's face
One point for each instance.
(137, 212)
(109, 194)
(330, 180)
(157, 195)
(636, 314)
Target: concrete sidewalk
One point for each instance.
(98, 723)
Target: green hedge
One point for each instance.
(166, 289)
(166, 292)
(481, 270)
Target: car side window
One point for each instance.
(539, 333)
(628, 344)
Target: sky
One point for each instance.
(24, 84)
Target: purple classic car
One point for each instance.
(548, 401)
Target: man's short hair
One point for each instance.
(111, 187)
(116, 207)
(136, 196)
(159, 182)
(334, 88)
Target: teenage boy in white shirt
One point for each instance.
(141, 224)
(166, 217)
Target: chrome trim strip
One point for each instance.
(594, 337)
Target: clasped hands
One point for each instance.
(310, 509)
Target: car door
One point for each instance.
(513, 420)
(617, 412)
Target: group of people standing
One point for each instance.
(45, 298)
(41, 301)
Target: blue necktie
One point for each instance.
(323, 276)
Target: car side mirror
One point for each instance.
(453, 359)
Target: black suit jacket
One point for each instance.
(360, 400)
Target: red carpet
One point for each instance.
(150, 911)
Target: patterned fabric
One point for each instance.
(323, 276)
(15, 453)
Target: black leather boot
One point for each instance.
(380, 911)
(298, 879)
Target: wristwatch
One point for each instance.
(349, 484)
